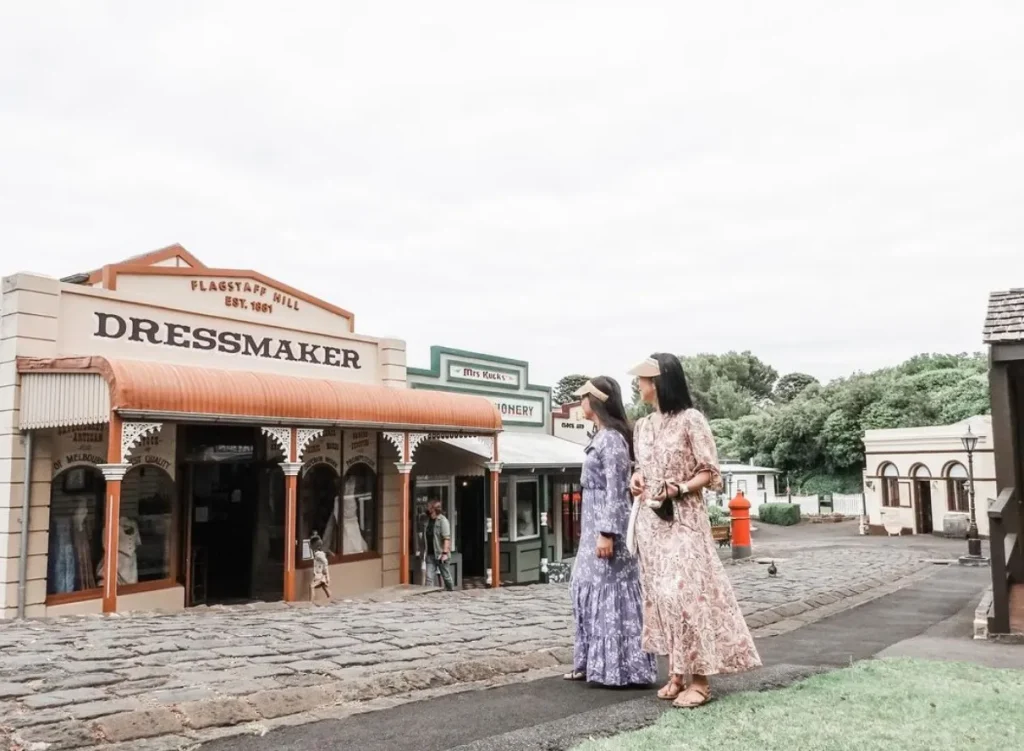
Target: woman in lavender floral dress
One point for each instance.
(606, 578)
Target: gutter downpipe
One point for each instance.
(25, 506)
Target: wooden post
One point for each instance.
(113, 474)
(1003, 438)
(291, 510)
(495, 469)
(404, 467)
(545, 505)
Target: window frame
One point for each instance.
(451, 513)
(890, 485)
(957, 489)
(514, 503)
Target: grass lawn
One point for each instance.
(889, 705)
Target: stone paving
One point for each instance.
(179, 679)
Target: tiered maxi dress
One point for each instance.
(690, 611)
(606, 591)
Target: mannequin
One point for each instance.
(128, 540)
(352, 536)
(526, 522)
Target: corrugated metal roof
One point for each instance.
(164, 388)
(527, 450)
(56, 400)
(1005, 319)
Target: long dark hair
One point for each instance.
(611, 413)
(671, 388)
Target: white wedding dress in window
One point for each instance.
(352, 536)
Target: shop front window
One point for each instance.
(77, 516)
(319, 510)
(424, 492)
(503, 490)
(359, 511)
(571, 495)
(146, 532)
(527, 509)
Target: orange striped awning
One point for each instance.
(160, 389)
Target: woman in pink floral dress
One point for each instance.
(690, 611)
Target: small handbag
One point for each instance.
(666, 511)
(631, 529)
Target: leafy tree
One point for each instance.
(790, 385)
(566, 386)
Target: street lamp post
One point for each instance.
(970, 442)
(728, 480)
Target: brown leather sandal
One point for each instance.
(703, 694)
(672, 689)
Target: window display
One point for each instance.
(77, 516)
(320, 509)
(147, 495)
(571, 495)
(527, 509)
(359, 510)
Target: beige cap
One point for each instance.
(649, 368)
(589, 389)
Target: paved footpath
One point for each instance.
(153, 682)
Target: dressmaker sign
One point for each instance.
(325, 450)
(91, 326)
(81, 445)
(360, 447)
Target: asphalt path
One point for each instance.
(552, 714)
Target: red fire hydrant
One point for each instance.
(739, 511)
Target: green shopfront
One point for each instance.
(536, 469)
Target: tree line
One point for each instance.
(811, 431)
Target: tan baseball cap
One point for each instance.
(649, 368)
(589, 389)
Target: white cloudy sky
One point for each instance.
(571, 183)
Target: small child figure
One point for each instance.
(321, 571)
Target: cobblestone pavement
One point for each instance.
(182, 678)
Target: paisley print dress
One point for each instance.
(690, 611)
(606, 591)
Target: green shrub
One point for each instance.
(717, 515)
(783, 514)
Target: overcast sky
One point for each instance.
(571, 183)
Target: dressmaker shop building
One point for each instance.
(173, 434)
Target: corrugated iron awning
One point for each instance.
(67, 390)
(57, 400)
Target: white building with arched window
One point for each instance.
(918, 478)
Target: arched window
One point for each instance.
(77, 515)
(921, 472)
(956, 488)
(359, 510)
(146, 532)
(890, 485)
(320, 508)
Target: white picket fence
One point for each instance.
(848, 504)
